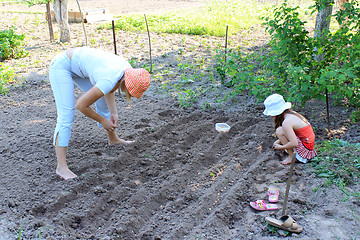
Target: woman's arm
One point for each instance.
(84, 103)
(110, 102)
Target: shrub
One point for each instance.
(290, 67)
(12, 44)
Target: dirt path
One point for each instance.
(180, 180)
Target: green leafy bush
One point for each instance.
(12, 44)
(289, 67)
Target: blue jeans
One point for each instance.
(62, 83)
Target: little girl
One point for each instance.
(292, 129)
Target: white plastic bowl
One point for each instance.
(222, 127)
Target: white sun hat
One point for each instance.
(275, 105)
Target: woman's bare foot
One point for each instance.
(119, 141)
(65, 173)
(286, 161)
(115, 140)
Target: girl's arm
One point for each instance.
(84, 103)
(290, 135)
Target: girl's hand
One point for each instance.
(276, 142)
(108, 125)
(114, 119)
(277, 145)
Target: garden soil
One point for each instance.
(181, 179)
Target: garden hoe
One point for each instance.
(286, 222)
(288, 184)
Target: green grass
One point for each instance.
(339, 162)
(209, 20)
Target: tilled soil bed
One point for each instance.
(181, 179)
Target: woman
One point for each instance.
(98, 74)
(292, 129)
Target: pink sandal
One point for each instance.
(273, 195)
(261, 205)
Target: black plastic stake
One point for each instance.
(327, 109)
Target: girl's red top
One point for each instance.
(306, 136)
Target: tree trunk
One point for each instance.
(48, 13)
(341, 2)
(61, 16)
(322, 23)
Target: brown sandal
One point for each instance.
(286, 223)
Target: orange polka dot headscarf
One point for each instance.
(137, 81)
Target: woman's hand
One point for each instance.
(108, 125)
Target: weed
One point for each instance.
(355, 116)
(148, 155)
(93, 42)
(133, 61)
(181, 51)
(185, 79)
(19, 236)
(207, 105)
(339, 162)
(187, 97)
(37, 22)
(7, 75)
(274, 230)
(357, 217)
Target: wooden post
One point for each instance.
(115, 50)
(48, 14)
(82, 21)
(147, 26)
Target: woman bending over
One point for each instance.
(98, 74)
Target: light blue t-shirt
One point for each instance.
(104, 69)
